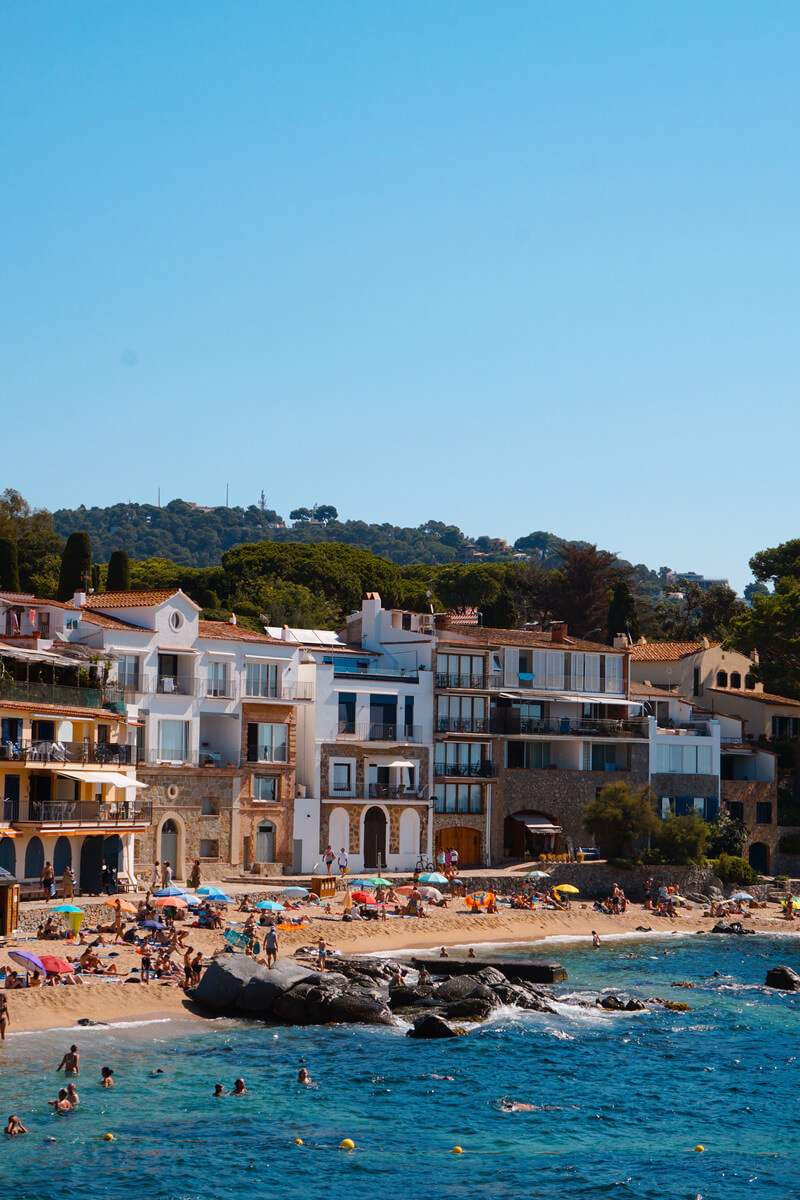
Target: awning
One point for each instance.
(535, 824)
(593, 698)
(38, 656)
(116, 778)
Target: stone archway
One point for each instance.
(171, 843)
(374, 837)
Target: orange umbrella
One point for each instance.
(171, 902)
(479, 899)
(125, 905)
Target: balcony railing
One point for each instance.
(377, 732)
(284, 691)
(219, 689)
(198, 758)
(509, 722)
(697, 729)
(386, 791)
(463, 725)
(479, 770)
(443, 805)
(56, 693)
(76, 753)
(483, 682)
(372, 670)
(76, 812)
(175, 685)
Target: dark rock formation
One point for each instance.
(431, 1026)
(529, 972)
(735, 927)
(783, 978)
(471, 1008)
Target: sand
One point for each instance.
(62, 1007)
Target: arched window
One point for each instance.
(736, 679)
(339, 830)
(722, 678)
(62, 857)
(409, 833)
(8, 855)
(34, 858)
(750, 682)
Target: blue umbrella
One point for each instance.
(210, 890)
(172, 891)
(152, 925)
(67, 908)
(432, 877)
(271, 906)
(735, 896)
(363, 883)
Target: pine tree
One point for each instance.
(76, 566)
(622, 616)
(9, 565)
(119, 572)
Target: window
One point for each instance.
(267, 743)
(342, 776)
(592, 673)
(347, 712)
(613, 673)
(763, 813)
(576, 672)
(722, 679)
(684, 760)
(265, 787)
(173, 741)
(463, 670)
(604, 757)
(208, 848)
(69, 622)
(696, 689)
(217, 679)
(465, 714)
(128, 671)
(176, 620)
(209, 806)
(459, 797)
(736, 679)
(262, 679)
(736, 809)
(528, 755)
(750, 682)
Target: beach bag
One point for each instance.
(52, 890)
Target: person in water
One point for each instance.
(14, 1127)
(72, 1095)
(219, 1090)
(63, 1104)
(303, 1076)
(70, 1062)
(238, 1088)
(595, 940)
(106, 1077)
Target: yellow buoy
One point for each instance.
(347, 1144)
(108, 1137)
(298, 1141)
(457, 1150)
(700, 1149)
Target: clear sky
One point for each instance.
(508, 265)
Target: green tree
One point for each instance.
(771, 626)
(728, 835)
(682, 840)
(325, 512)
(582, 587)
(118, 578)
(300, 514)
(622, 615)
(76, 566)
(755, 589)
(9, 565)
(620, 818)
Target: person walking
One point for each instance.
(166, 875)
(68, 884)
(155, 876)
(328, 857)
(343, 862)
(271, 945)
(48, 882)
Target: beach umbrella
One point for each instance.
(67, 908)
(54, 965)
(295, 893)
(479, 899)
(171, 891)
(153, 925)
(124, 905)
(430, 893)
(363, 898)
(270, 906)
(26, 960)
(405, 890)
(537, 875)
(566, 887)
(376, 881)
(741, 896)
(171, 902)
(362, 883)
(432, 877)
(210, 891)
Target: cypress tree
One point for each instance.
(76, 565)
(622, 615)
(9, 565)
(118, 578)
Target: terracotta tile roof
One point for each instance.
(524, 637)
(107, 622)
(62, 710)
(130, 599)
(667, 651)
(657, 693)
(222, 631)
(760, 697)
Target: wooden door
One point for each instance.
(463, 839)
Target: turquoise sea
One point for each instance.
(620, 1101)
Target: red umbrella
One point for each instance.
(363, 898)
(171, 902)
(55, 965)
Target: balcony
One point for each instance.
(511, 723)
(219, 689)
(377, 732)
(344, 670)
(284, 692)
(76, 812)
(60, 694)
(697, 729)
(481, 770)
(458, 806)
(386, 791)
(463, 725)
(202, 758)
(479, 682)
(75, 753)
(175, 685)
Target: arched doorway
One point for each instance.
(34, 858)
(758, 857)
(265, 842)
(169, 845)
(112, 851)
(466, 841)
(62, 857)
(8, 855)
(91, 870)
(527, 835)
(339, 830)
(409, 835)
(375, 837)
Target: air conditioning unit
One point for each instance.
(5, 751)
(301, 791)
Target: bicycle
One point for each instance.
(424, 864)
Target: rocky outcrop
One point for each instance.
(783, 978)
(522, 969)
(734, 927)
(430, 1026)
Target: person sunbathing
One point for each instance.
(13, 980)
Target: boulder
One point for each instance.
(472, 1008)
(404, 997)
(431, 1026)
(292, 1007)
(735, 927)
(482, 992)
(612, 1003)
(356, 1008)
(635, 1006)
(260, 992)
(491, 976)
(783, 978)
(224, 979)
(456, 988)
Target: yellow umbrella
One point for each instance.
(566, 887)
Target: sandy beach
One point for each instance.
(108, 1000)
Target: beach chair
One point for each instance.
(235, 939)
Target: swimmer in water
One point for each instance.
(303, 1076)
(72, 1095)
(106, 1077)
(62, 1104)
(443, 953)
(595, 940)
(70, 1062)
(238, 1088)
(158, 1071)
(448, 1077)
(14, 1127)
(516, 1106)
(219, 1090)
(470, 953)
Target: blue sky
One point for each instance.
(512, 266)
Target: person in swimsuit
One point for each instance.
(271, 946)
(70, 1062)
(303, 1076)
(147, 962)
(14, 1127)
(238, 1088)
(106, 1077)
(219, 1090)
(187, 966)
(72, 1095)
(5, 1016)
(595, 940)
(63, 1103)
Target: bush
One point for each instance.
(621, 864)
(619, 817)
(682, 840)
(733, 870)
(652, 858)
(790, 843)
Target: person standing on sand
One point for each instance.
(68, 884)
(155, 876)
(70, 1062)
(48, 882)
(5, 1016)
(343, 862)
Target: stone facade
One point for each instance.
(685, 785)
(181, 794)
(749, 793)
(357, 804)
(393, 809)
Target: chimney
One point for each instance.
(79, 599)
(232, 619)
(285, 633)
(558, 632)
(706, 642)
(621, 641)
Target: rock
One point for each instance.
(491, 976)
(684, 983)
(612, 1003)
(315, 1004)
(482, 992)
(404, 997)
(674, 1006)
(260, 992)
(472, 1008)
(224, 979)
(455, 988)
(644, 928)
(431, 1026)
(735, 927)
(635, 1006)
(355, 1008)
(783, 978)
